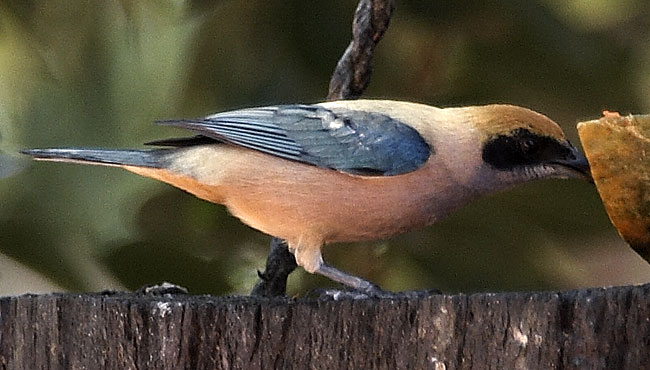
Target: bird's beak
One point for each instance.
(578, 163)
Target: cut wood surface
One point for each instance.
(585, 329)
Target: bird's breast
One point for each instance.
(288, 199)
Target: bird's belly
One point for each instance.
(331, 219)
(336, 207)
(297, 201)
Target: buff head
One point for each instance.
(519, 145)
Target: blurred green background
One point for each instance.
(78, 73)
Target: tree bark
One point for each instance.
(584, 329)
(353, 71)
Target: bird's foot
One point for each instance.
(162, 289)
(374, 292)
(343, 294)
(358, 288)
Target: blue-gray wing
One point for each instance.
(351, 141)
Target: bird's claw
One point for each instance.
(162, 289)
(376, 292)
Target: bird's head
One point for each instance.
(487, 147)
(519, 145)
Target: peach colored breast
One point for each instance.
(288, 199)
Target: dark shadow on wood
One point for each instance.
(585, 329)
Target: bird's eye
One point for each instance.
(528, 146)
(521, 147)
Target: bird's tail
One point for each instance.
(138, 158)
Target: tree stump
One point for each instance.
(584, 329)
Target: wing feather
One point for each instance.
(346, 140)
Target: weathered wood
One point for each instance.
(586, 329)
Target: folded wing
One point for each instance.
(352, 141)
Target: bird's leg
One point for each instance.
(308, 255)
(362, 289)
(351, 281)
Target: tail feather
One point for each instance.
(157, 158)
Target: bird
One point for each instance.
(347, 170)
